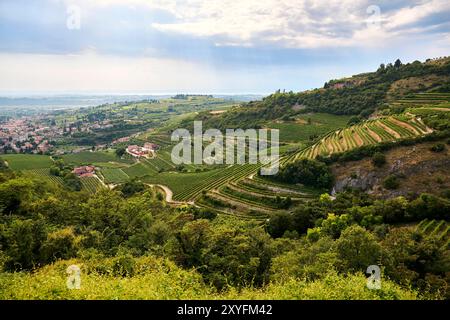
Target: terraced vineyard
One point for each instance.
(92, 184)
(369, 132)
(221, 177)
(114, 175)
(139, 170)
(254, 197)
(44, 174)
(439, 229)
(423, 100)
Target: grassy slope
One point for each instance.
(300, 131)
(159, 279)
(27, 161)
(91, 157)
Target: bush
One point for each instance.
(378, 159)
(131, 187)
(279, 223)
(308, 172)
(61, 244)
(124, 266)
(204, 214)
(120, 152)
(391, 182)
(438, 147)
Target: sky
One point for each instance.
(209, 46)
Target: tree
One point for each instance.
(23, 241)
(333, 225)
(357, 249)
(397, 64)
(237, 256)
(120, 152)
(55, 171)
(279, 223)
(192, 240)
(60, 244)
(72, 182)
(131, 187)
(392, 210)
(309, 172)
(353, 120)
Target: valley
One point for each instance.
(363, 162)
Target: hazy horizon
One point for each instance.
(208, 46)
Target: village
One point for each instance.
(40, 134)
(26, 136)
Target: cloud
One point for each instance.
(211, 45)
(142, 27)
(297, 23)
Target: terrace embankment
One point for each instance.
(417, 167)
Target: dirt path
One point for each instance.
(342, 140)
(101, 181)
(358, 139)
(241, 205)
(373, 134)
(278, 189)
(405, 126)
(236, 188)
(169, 194)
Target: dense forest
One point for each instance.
(116, 232)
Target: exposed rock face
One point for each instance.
(362, 181)
(418, 169)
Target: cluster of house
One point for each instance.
(34, 134)
(23, 135)
(84, 171)
(146, 151)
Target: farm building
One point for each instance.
(145, 151)
(151, 146)
(137, 151)
(84, 171)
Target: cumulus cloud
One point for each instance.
(212, 45)
(299, 23)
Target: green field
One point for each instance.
(44, 174)
(27, 161)
(114, 175)
(320, 123)
(88, 157)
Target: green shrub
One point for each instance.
(391, 182)
(378, 159)
(308, 172)
(438, 147)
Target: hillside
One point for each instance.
(363, 180)
(417, 167)
(358, 95)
